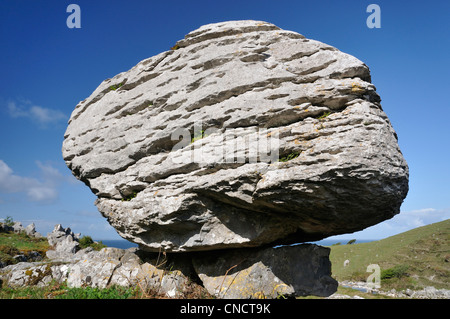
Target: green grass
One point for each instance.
(12, 244)
(324, 115)
(116, 86)
(87, 241)
(198, 136)
(8, 221)
(129, 197)
(23, 242)
(113, 292)
(61, 291)
(398, 271)
(413, 259)
(289, 157)
(55, 290)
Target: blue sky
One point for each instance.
(47, 68)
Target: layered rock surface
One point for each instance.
(242, 135)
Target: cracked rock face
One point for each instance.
(241, 135)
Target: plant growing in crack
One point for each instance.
(116, 86)
(324, 115)
(129, 197)
(198, 136)
(289, 157)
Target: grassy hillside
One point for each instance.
(12, 244)
(413, 259)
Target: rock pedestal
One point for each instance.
(299, 270)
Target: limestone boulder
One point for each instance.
(241, 135)
(299, 270)
(64, 243)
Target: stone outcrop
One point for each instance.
(66, 262)
(300, 270)
(64, 243)
(248, 273)
(241, 135)
(17, 227)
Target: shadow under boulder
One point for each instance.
(287, 271)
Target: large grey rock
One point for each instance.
(96, 269)
(260, 93)
(5, 228)
(33, 274)
(60, 234)
(64, 243)
(30, 230)
(100, 269)
(18, 228)
(300, 270)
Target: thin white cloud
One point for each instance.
(400, 223)
(49, 173)
(421, 217)
(53, 176)
(46, 116)
(15, 110)
(422, 211)
(43, 191)
(42, 194)
(40, 115)
(10, 183)
(412, 219)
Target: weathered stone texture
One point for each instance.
(242, 136)
(300, 270)
(246, 82)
